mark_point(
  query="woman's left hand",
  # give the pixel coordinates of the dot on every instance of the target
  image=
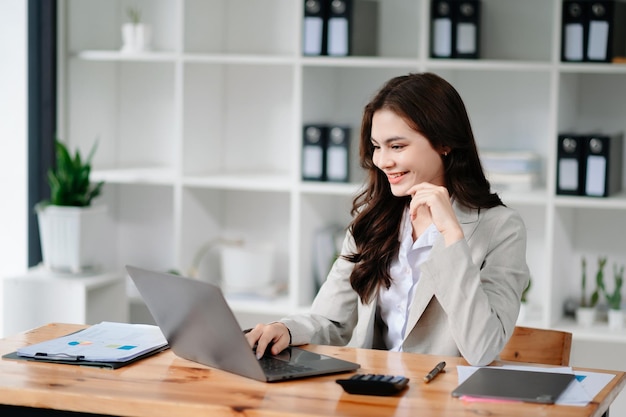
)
(434, 201)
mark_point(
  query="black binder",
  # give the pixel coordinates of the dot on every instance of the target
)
(574, 30)
(455, 29)
(570, 167)
(338, 154)
(467, 29)
(314, 139)
(441, 27)
(352, 27)
(606, 30)
(315, 27)
(603, 165)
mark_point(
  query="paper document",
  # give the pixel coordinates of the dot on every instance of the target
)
(104, 342)
(579, 393)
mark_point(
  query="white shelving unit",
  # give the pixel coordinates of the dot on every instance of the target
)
(200, 138)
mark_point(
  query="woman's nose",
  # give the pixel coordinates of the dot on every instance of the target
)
(382, 159)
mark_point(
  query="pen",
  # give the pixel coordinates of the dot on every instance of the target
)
(436, 370)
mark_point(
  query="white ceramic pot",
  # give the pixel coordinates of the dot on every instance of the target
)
(71, 237)
(616, 319)
(136, 37)
(247, 268)
(585, 316)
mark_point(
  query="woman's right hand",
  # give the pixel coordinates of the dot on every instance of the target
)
(274, 335)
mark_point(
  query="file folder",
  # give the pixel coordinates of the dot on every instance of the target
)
(314, 152)
(314, 27)
(570, 168)
(574, 30)
(603, 159)
(467, 29)
(352, 27)
(606, 31)
(441, 29)
(338, 154)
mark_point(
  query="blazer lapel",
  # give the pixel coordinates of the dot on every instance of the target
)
(424, 292)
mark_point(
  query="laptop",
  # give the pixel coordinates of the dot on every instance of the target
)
(516, 385)
(199, 326)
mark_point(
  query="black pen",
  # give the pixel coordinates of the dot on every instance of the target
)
(436, 370)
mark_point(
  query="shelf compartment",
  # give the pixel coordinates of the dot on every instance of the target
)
(140, 226)
(210, 217)
(97, 25)
(265, 27)
(238, 119)
(317, 212)
(128, 108)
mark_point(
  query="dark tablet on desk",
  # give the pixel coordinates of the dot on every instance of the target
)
(515, 385)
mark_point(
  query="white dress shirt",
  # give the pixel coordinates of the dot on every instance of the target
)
(394, 302)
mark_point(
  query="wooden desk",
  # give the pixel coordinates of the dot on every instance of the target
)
(165, 385)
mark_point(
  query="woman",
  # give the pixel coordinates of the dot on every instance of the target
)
(433, 262)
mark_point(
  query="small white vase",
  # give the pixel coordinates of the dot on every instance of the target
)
(586, 316)
(136, 37)
(616, 319)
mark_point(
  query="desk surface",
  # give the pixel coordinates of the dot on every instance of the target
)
(166, 385)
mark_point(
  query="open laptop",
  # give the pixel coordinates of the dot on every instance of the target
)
(200, 326)
(516, 385)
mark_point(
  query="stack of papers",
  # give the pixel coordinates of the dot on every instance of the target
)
(104, 342)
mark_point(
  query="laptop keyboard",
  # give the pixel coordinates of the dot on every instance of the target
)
(273, 366)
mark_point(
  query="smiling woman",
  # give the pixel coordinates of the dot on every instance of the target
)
(433, 262)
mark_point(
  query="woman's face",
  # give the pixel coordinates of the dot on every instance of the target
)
(404, 155)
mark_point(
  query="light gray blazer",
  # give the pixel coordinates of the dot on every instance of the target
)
(466, 301)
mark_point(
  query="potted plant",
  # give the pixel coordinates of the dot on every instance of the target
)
(69, 225)
(586, 311)
(614, 299)
(135, 35)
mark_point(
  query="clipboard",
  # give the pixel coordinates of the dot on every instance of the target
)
(105, 345)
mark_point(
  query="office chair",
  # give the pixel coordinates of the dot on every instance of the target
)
(542, 346)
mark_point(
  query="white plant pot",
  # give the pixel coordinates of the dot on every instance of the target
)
(136, 37)
(616, 319)
(585, 316)
(71, 237)
(247, 268)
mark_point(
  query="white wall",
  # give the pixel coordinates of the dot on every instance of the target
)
(13, 140)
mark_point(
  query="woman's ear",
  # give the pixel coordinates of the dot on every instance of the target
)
(445, 150)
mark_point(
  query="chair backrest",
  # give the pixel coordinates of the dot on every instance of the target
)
(551, 347)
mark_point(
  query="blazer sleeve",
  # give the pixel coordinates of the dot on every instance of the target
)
(478, 282)
(333, 314)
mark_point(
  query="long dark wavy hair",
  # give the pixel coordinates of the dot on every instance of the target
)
(432, 107)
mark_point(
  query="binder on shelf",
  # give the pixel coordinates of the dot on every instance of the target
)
(467, 29)
(606, 31)
(603, 160)
(574, 29)
(338, 154)
(441, 29)
(455, 29)
(352, 27)
(570, 167)
(314, 27)
(314, 152)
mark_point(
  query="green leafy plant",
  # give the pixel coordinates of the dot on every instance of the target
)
(614, 299)
(525, 292)
(69, 180)
(595, 295)
(134, 15)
